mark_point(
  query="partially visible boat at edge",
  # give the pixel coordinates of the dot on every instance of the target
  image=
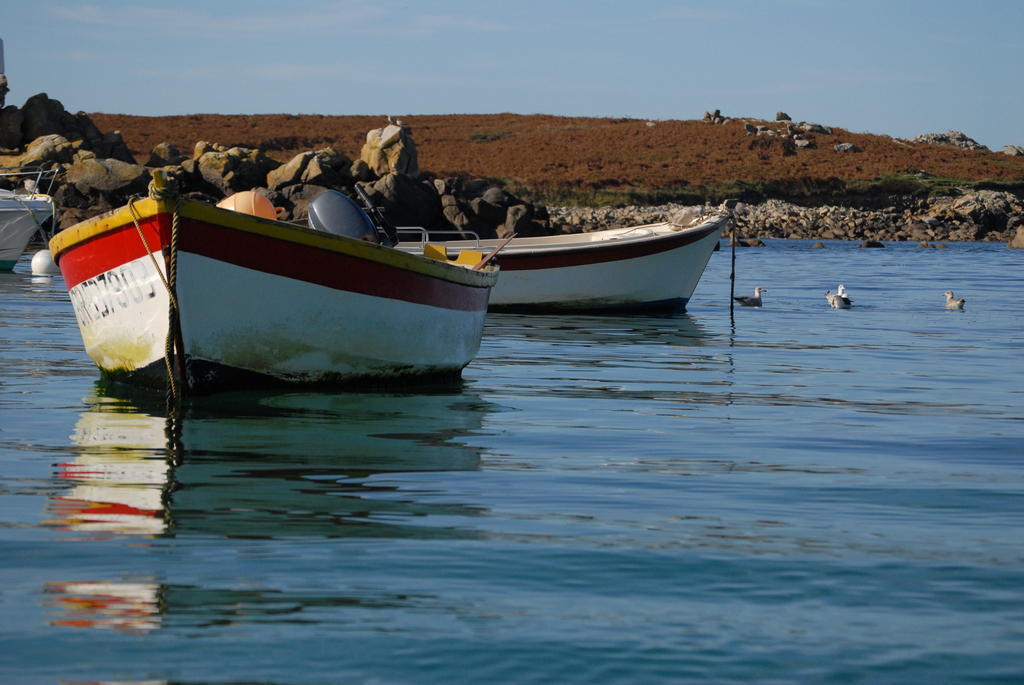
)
(260, 301)
(23, 210)
(651, 267)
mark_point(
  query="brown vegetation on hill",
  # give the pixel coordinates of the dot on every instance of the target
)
(543, 151)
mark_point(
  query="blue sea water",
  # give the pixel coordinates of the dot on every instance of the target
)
(783, 494)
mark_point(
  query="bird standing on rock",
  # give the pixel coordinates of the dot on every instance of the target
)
(752, 300)
(953, 302)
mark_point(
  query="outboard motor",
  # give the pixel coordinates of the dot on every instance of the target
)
(336, 213)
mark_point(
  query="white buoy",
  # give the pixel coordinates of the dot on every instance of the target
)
(43, 264)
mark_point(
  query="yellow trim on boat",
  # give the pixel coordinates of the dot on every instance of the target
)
(200, 211)
(90, 228)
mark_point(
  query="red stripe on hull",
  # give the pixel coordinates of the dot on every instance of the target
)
(599, 253)
(269, 255)
(108, 251)
(326, 268)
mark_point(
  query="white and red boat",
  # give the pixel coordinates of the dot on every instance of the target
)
(261, 301)
(651, 267)
(23, 211)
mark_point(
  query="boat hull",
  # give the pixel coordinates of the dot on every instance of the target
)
(20, 219)
(262, 302)
(655, 267)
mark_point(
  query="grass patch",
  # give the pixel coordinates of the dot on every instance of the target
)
(490, 136)
(905, 184)
(576, 196)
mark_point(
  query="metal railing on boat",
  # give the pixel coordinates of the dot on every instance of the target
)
(32, 177)
(426, 236)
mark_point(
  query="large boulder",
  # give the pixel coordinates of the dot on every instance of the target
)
(1017, 242)
(988, 210)
(112, 146)
(390, 150)
(289, 173)
(328, 167)
(521, 220)
(44, 151)
(360, 171)
(231, 170)
(44, 115)
(295, 200)
(952, 138)
(91, 186)
(488, 210)
(164, 154)
(810, 127)
(91, 175)
(11, 120)
(453, 215)
(486, 216)
(325, 168)
(406, 201)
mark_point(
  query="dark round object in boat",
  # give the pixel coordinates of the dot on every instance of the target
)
(337, 213)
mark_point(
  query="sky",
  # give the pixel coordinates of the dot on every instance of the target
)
(892, 67)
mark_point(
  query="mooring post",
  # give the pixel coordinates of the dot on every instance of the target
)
(731, 205)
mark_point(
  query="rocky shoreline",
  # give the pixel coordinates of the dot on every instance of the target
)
(100, 173)
(985, 215)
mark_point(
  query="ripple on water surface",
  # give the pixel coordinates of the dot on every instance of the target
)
(774, 494)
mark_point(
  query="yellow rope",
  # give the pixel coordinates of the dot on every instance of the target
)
(149, 250)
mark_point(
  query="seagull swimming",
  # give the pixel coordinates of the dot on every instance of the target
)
(953, 302)
(752, 300)
(838, 299)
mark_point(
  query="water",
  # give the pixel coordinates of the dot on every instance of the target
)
(793, 494)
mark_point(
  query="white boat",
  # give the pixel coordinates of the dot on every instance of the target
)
(650, 267)
(23, 211)
(260, 301)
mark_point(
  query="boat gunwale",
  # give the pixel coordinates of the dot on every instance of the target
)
(572, 244)
(121, 218)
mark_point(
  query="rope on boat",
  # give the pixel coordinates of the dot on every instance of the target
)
(160, 190)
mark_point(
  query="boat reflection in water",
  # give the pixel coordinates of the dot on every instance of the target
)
(127, 607)
(250, 465)
(582, 330)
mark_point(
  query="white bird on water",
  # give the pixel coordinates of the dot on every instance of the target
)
(839, 299)
(953, 302)
(835, 301)
(752, 300)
